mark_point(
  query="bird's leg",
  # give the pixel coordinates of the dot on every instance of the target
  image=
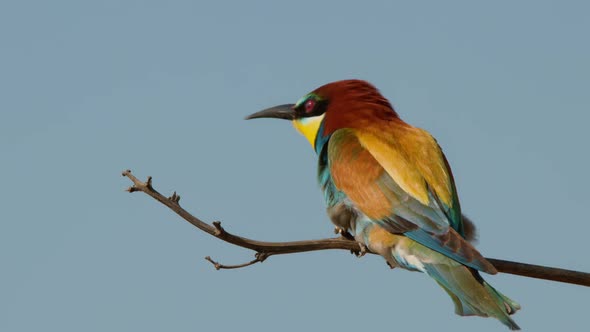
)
(344, 233)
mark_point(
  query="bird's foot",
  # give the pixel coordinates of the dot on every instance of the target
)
(347, 236)
(362, 251)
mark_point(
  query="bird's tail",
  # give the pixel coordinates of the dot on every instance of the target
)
(471, 294)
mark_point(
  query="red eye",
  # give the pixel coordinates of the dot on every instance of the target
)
(309, 105)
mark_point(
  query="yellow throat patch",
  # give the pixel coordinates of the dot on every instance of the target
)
(309, 127)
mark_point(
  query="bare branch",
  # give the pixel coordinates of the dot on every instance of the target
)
(541, 272)
(267, 249)
(260, 257)
(216, 230)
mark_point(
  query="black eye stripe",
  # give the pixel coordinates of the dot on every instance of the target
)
(312, 106)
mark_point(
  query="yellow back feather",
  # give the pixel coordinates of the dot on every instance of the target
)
(412, 157)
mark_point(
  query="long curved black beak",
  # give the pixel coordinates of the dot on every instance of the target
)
(278, 112)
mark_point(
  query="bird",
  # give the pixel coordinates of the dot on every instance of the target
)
(388, 186)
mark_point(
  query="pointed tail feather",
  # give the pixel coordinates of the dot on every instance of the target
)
(510, 305)
(471, 294)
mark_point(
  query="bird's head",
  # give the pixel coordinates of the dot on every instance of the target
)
(336, 105)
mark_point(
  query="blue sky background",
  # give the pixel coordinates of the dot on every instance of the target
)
(90, 88)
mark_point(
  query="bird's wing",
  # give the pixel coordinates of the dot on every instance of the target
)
(400, 179)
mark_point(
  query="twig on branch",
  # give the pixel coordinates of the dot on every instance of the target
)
(260, 257)
(267, 249)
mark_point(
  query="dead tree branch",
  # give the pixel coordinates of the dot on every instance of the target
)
(267, 249)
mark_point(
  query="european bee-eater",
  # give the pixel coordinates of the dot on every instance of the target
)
(389, 185)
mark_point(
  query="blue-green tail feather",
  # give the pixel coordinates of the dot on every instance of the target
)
(472, 295)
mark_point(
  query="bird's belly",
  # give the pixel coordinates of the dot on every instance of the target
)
(395, 248)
